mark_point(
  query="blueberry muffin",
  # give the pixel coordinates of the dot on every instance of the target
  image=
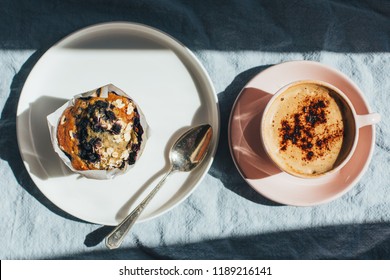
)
(101, 133)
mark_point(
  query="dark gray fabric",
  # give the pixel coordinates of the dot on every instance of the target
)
(224, 218)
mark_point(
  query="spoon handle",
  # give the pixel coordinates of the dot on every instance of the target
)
(115, 238)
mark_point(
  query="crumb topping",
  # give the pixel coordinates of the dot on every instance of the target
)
(299, 129)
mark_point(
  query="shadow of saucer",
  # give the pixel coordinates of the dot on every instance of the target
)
(223, 166)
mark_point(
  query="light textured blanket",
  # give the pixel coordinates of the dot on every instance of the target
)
(224, 218)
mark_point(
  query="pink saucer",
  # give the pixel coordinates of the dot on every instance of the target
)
(253, 163)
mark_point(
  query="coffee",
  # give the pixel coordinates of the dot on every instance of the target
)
(304, 129)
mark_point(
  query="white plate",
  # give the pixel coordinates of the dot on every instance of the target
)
(167, 81)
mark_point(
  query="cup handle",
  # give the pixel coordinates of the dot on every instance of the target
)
(369, 119)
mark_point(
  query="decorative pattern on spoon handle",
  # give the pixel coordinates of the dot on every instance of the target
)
(115, 238)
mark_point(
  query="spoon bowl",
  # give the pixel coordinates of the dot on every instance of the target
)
(186, 153)
(191, 148)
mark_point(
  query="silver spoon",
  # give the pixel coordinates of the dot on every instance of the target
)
(187, 152)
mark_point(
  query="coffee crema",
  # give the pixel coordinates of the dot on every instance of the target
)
(305, 129)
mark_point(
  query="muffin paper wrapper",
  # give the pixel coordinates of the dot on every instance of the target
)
(53, 121)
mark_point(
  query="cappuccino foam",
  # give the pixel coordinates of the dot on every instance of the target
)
(304, 129)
